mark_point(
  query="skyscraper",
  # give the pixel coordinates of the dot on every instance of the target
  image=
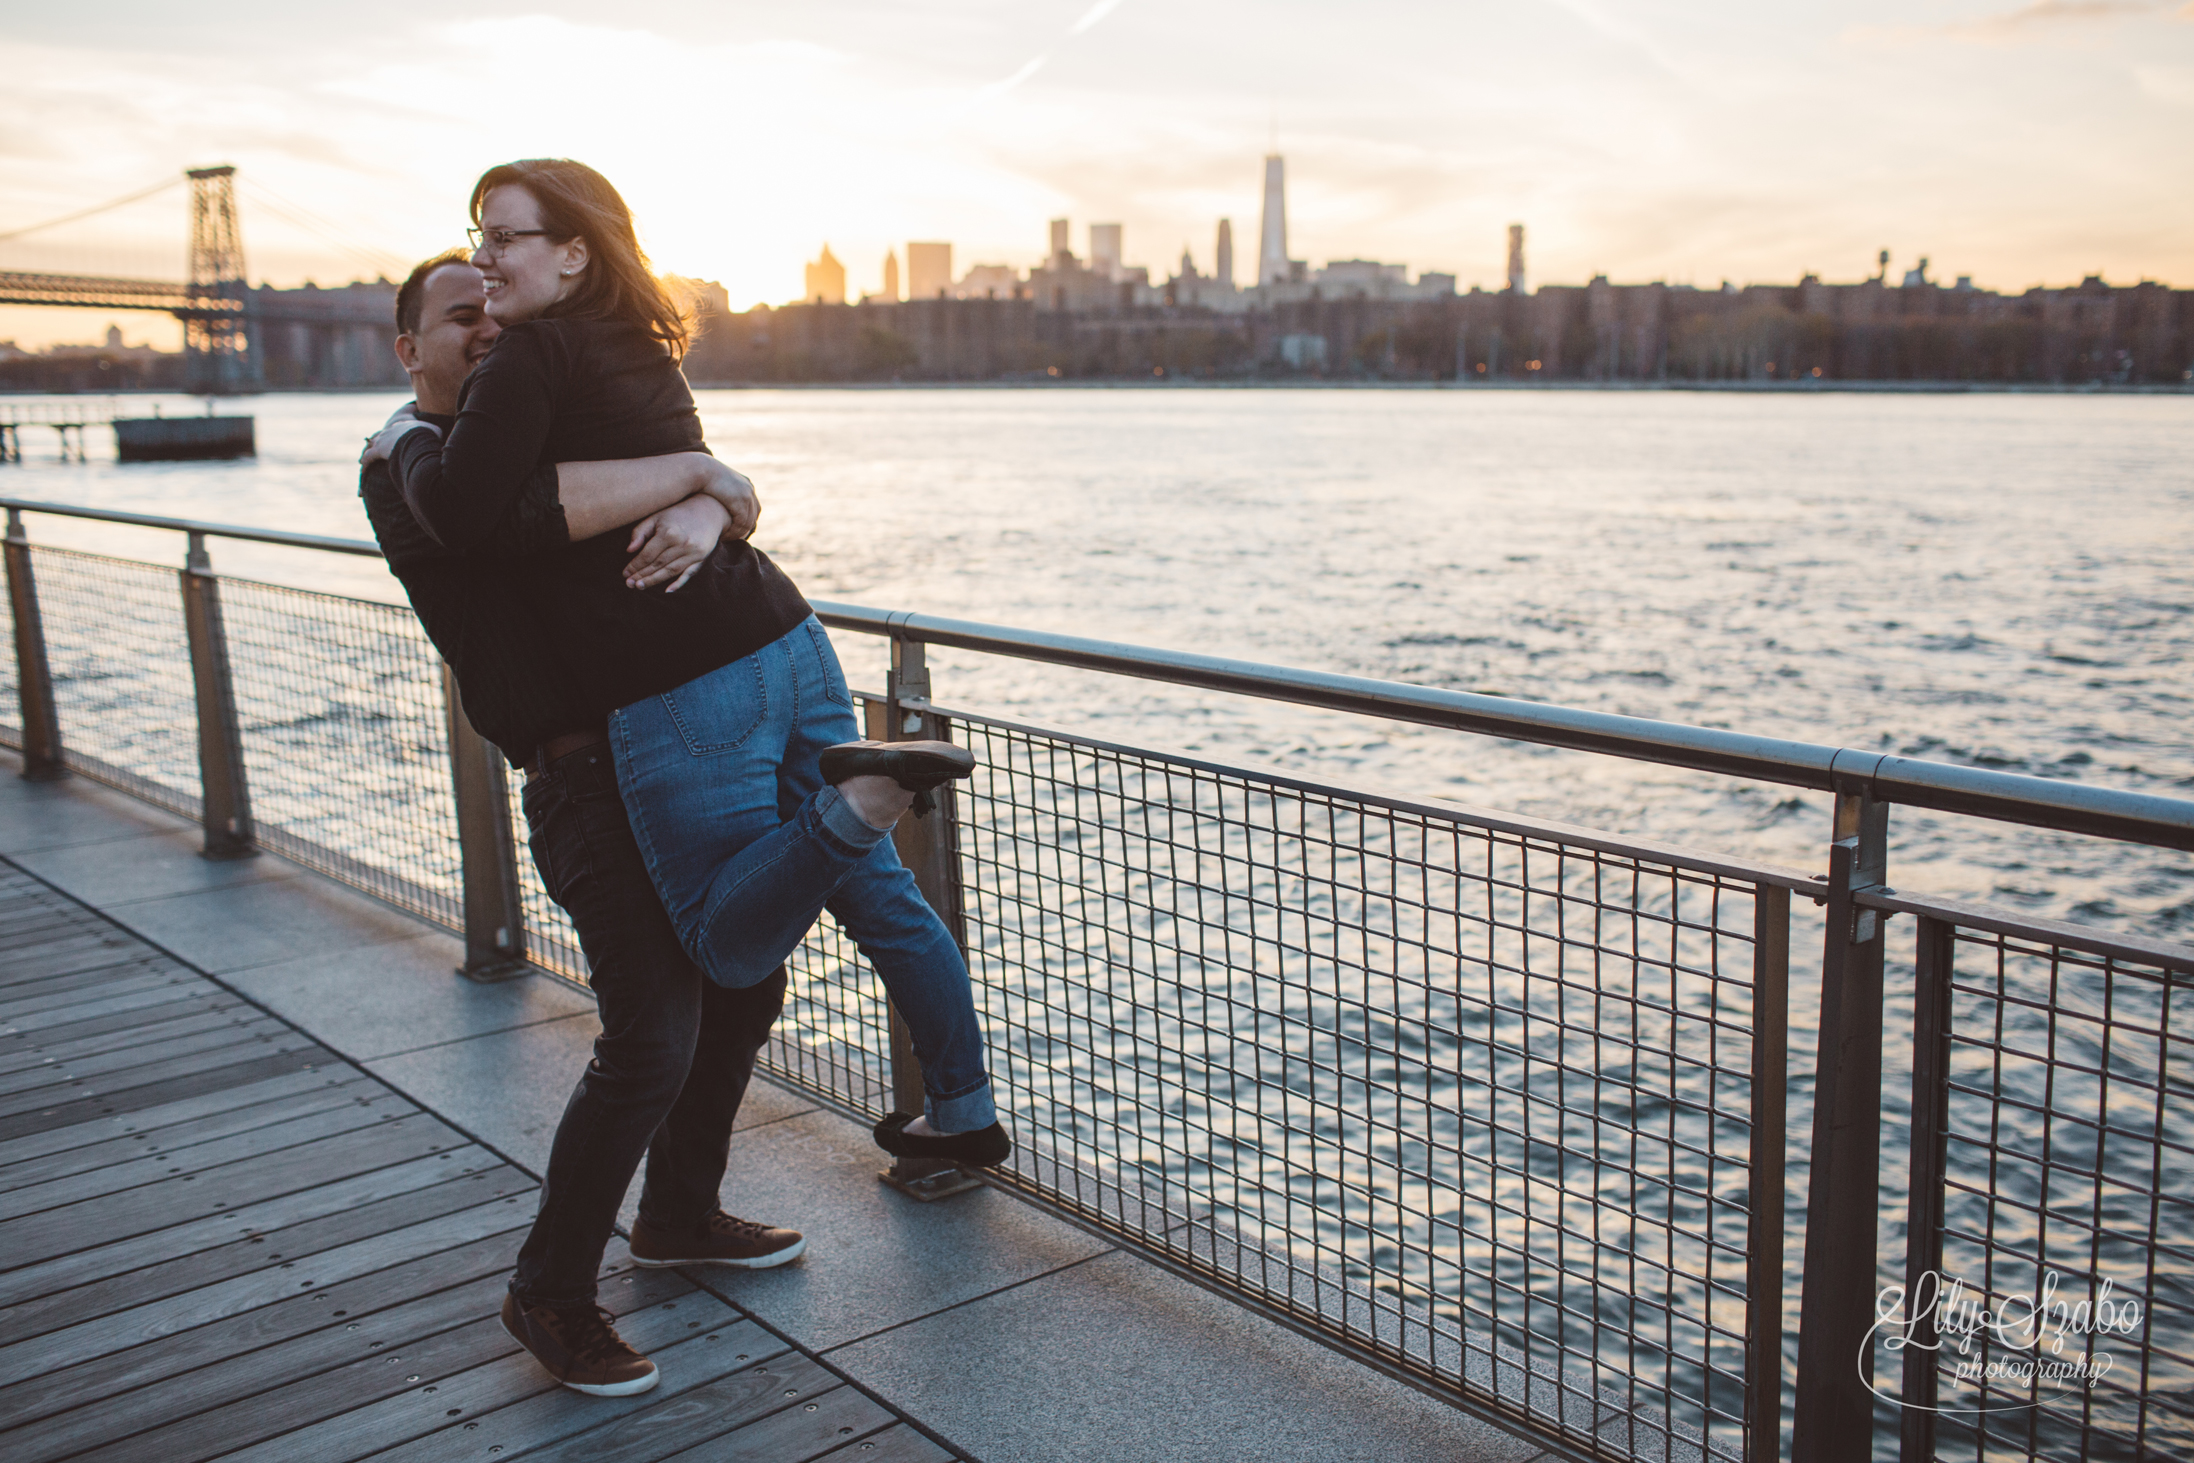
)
(1104, 249)
(891, 275)
(1059, 248)
(826, 280)
(1272, 246)
(1224, 264)
(1516, 259)
(929, 271)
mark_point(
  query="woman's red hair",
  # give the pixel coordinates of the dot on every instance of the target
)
(579, 203)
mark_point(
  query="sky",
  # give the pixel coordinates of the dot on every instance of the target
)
(2022, 142)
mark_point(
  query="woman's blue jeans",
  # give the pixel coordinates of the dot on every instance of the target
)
(747, 846)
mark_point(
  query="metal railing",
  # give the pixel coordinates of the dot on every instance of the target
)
(1493, 1104)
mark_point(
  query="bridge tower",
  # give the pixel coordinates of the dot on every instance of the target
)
(217, 341)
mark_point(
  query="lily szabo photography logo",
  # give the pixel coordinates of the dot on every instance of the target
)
(2044, 1342)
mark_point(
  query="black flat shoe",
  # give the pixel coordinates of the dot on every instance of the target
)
(916, 766)
(983, 1148)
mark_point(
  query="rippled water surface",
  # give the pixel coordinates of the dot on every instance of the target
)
(2004, 580)
(2000, 580)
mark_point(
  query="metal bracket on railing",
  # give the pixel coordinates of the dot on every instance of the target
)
(909, 681)
(1834, 1420)
(495, 928)
(927, 847)
(226, 795)
(33, 678)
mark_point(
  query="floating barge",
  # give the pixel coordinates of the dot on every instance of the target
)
(178, 439)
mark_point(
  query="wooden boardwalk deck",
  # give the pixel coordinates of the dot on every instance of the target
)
(221, 1240)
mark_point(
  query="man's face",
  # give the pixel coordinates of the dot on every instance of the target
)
(454, 333)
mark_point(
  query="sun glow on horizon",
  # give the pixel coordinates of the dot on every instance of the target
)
(1689, 145)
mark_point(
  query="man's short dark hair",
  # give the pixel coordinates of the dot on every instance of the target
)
(410, 298)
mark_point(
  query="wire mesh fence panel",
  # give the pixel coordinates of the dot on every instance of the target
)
(834, 1038)
(346, 741)
(551, 942)
(120, 662)
(2066, 1144)
(1477, 1101)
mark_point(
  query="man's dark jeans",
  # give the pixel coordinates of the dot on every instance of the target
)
(674, 1056)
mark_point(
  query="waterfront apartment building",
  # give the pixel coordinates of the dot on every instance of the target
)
(826, 280)
(929, 271)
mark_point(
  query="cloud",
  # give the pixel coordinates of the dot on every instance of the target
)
(2039, 15)
(2173, 85)
(1094, 14)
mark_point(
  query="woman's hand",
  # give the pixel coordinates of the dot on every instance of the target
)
(732, 488)
(382, 444)
(672, 544)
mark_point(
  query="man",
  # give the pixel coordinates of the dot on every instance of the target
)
(676, 1050)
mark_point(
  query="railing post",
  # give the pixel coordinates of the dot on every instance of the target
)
(1764, 1248)
(1834, 1422)
(33, 678)
(226, 795)
(929, 849)
(495, 915)
(1924, 1208)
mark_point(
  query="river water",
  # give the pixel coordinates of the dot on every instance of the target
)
(1997, 580)
(2001, 580)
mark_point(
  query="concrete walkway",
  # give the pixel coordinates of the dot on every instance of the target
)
(1008, 1333)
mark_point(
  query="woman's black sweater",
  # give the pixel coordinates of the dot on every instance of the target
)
(554, 391)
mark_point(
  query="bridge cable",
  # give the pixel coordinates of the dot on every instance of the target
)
(70, 218)
(379, 260)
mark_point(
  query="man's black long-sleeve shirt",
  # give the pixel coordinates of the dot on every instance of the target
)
(517, 689)
(562, 390)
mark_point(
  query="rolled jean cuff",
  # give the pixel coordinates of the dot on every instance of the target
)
(852, 832)
(962, 1114)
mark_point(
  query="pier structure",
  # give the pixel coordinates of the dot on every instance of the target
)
(1350, 1125)
(67, 419)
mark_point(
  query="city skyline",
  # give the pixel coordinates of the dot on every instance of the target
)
(2020, 143)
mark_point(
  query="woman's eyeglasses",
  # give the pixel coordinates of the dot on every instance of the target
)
(495, 241)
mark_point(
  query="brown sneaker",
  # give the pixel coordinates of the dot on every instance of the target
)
(580, 1347)
(721, 1239)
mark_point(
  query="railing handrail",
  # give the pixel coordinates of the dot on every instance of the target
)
(2008, 797)
(363, 548)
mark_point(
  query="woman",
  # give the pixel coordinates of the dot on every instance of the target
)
(754, 802)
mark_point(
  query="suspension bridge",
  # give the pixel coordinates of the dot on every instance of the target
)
(235, 338)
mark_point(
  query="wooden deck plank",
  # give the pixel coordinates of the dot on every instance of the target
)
(113, 1033)
(27, 1004)
(808, 1428)
(76, 951)
(194, 1236)
(92, 1153)
(174, 1089)
(292, 1322)
(44, 1311)
(248, 1292)
(82, 1226)
(73, 998)
(411, 1346)
(198, 1158)
(466, 1395)
(738, 1372)
(895, 1444)
(113, 1065)
(143, 1049)
(218, 1239)
(111, 1084)
(204, 1105)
